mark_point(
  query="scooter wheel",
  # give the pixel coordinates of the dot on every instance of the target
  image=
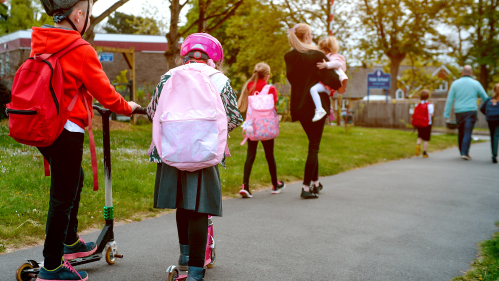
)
(213, 259)
(110, 258)
(172, 275)
(23, 276)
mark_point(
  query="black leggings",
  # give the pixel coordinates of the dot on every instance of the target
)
(192, 228)
(268, 147)
(314, 132)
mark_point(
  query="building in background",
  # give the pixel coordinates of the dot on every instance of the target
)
(149, 49)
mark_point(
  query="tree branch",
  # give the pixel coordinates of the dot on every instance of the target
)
(231, 13)
(107, 12)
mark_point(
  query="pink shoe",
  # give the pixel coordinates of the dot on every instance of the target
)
(245, 192)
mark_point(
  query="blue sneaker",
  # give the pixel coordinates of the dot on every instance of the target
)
(79, 249)
(65, 272)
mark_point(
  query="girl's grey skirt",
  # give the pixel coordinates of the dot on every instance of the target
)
(199, 191)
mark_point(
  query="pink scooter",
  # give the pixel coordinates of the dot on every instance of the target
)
(210, 256)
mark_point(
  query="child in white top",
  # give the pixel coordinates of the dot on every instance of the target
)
(424, 133)
(329, 46)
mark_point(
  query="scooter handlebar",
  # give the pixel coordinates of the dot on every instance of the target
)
(102, 111)
(140, 110)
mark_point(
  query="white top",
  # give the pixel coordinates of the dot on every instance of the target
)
(431, 109)
(72, 127)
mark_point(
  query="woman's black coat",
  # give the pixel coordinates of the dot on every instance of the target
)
(302, 73)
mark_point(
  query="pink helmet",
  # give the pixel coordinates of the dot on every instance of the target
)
(203, 42)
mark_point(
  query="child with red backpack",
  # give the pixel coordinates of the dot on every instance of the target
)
(50, 108)
(193, 108)
(422, 119)
(257, 84)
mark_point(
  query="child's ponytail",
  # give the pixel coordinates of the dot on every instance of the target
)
(261, 70)
(496, 92)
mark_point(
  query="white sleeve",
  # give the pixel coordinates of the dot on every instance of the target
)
(431, 108)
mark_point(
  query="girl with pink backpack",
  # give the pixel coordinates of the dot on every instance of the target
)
(262, 126)
(193, 108)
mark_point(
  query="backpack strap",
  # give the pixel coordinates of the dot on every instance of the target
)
(93, 155)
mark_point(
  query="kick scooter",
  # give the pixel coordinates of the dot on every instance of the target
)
(210, 256)
(106, 246)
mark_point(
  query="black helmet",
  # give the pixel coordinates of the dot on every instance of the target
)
(56, 8)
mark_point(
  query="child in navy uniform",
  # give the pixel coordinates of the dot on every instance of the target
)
(491, 110)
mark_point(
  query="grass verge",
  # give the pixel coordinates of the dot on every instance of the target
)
(486, 267)
(24, 191)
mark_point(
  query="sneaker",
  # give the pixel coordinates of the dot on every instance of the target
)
(79, 249)
(280, 186)
(425, 155)
(309, 194)
(494, 160)
(245, 192)
(318, 188)
(466, 157)
(64, 272)
(319, 113)
(418, 149)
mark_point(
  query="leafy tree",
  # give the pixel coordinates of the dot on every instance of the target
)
(316, 13)
(22, 15)
(119, 22)
(474, 38)
(90, 34)
(210, 18)
(396, 28)
(484, 40)
(251, 37)
(173, 36)
(129, 24)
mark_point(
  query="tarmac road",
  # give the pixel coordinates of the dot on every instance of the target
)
(413, 219)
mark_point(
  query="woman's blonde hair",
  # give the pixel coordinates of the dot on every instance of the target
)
(261, 70)
(496, 92)
(296, 38)
(329, 45)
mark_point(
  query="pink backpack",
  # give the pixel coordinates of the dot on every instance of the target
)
(190, 124)
(262, 122)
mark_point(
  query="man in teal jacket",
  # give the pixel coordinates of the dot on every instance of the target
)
(464, 93)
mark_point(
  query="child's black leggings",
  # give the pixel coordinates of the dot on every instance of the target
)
(268, 147)
(192, 230)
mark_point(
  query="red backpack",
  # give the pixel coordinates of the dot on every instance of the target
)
(421, 117)
(37, 114)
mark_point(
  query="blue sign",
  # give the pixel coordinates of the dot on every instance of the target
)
(379, 80)
(109, 57)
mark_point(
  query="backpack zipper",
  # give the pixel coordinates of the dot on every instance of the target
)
(21, 112)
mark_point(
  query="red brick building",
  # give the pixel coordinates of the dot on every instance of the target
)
(149, 49)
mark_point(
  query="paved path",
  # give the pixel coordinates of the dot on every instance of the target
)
(413, 219)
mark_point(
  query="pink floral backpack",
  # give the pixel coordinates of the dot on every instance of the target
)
(190, 124)
(262, 122)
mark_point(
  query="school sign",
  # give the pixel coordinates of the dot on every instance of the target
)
(378, 80)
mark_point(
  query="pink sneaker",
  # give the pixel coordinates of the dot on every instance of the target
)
(245, 192)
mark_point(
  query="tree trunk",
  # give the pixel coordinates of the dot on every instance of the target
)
(173, 35)
(394, 71)
(203, 7)
(484, 76)
(90, 34)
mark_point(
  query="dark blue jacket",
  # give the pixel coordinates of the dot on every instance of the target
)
(490, 110)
